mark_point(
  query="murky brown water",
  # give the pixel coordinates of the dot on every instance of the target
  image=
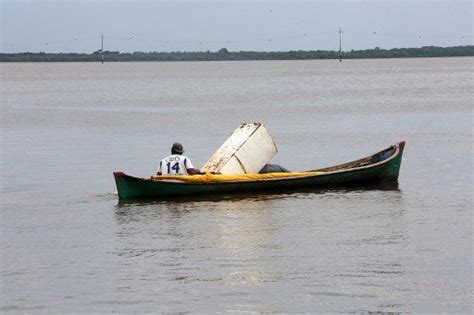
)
(67, 246)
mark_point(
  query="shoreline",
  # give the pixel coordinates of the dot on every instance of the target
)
(225, 55)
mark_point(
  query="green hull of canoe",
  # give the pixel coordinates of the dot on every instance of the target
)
(380, 167)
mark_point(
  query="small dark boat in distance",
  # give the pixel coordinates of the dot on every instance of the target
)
(383, 166)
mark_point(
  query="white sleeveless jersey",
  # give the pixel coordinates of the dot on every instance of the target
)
(175, 165)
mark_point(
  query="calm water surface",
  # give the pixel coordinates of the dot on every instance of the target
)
(68, 246)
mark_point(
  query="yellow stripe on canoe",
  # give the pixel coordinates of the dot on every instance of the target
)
(218, 178)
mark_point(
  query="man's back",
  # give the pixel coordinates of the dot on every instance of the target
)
(175, 164)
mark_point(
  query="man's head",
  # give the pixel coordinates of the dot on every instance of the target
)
(177, 148)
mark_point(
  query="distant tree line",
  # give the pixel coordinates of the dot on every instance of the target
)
(224, 54)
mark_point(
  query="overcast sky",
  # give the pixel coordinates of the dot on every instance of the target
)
(194, 25)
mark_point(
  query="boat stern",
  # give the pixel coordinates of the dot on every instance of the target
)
(127, 186)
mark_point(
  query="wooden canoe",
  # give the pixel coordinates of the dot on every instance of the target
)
(383, 166)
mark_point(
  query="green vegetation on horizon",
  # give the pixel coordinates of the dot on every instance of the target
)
(224, 54)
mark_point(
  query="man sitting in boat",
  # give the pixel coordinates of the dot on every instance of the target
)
(176, 163)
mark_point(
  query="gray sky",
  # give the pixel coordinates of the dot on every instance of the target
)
(193, 25)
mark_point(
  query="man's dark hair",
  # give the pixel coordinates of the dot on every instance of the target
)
(177, 148)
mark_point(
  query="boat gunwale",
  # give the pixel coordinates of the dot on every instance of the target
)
(395, 146)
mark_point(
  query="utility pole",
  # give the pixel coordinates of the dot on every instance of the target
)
(340, 45)
(102, 48)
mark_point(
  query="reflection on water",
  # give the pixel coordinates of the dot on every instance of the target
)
(247, 242)
(231, 235)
